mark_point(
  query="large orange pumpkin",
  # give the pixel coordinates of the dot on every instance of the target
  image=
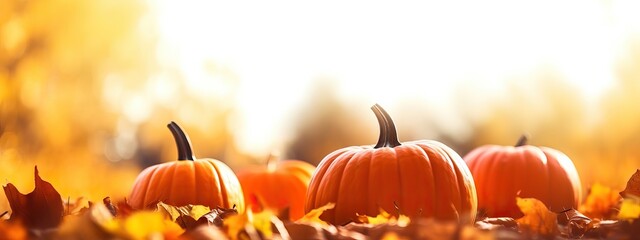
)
(279, 185)
(207, 182)
(504, 172)
(419, 179)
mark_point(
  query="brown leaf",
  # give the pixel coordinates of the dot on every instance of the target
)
(204, 232)
(123, 209)
(217, 215)
(577, 223)
(41, 208)
(633, 186)
(109, 205)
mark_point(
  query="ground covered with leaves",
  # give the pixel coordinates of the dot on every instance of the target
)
(43, 214)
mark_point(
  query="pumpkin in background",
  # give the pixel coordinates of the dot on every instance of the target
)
(207, 182)
(422, 178)
(278, 185)
(504, 172)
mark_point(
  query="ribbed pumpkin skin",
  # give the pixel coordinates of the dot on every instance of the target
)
(544, 173)
(424, 178)
(207, 182)
(285, 185)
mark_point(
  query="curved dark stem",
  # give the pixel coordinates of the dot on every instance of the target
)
(388, 134)
(182, 141)
(522, 141)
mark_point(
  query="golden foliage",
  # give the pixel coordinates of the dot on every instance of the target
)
(313, 216)
(537, 217)
(600, 202)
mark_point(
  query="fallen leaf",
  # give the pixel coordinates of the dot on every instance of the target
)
(252, 224)
(87, 225)
(385, 217)
(601, 202)
(537, 217)
(217, 215)
(629, 209)
(109, 205)
(633, 186)
(76, 207)
(185, 216)
(313, 216)
(123, 209)
(577, 223)
(41, 208)
(143, 225)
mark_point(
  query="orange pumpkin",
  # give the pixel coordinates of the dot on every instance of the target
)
(207, 182)
(279, 185)
(504, 172)
(422, 178)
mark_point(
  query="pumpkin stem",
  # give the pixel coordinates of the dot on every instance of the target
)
(522, 141)
(388, 134)
(182, 141)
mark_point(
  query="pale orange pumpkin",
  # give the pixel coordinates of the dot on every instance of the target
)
(504, 172)
(207, 182)
(278, 186)
(422, 178)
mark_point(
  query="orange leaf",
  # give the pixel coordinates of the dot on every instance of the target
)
(537, 217)
(41, 208)
(601, 202)
(385, 217)
(633, 186)
(313, 216)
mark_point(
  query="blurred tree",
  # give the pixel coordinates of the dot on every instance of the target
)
(326, 124)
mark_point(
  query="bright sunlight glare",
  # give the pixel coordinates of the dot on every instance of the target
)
(386, 52)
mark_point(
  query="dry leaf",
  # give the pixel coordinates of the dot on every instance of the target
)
(107, 203)
(41, 208)
(629, 209)
(385, 217)
(601, 202)
(86, 225)
(633, 186)
(143, 225)
(252, 224)
(537, 217)
(577, 223)
(185, 216)
(313, 216)
(216, 216)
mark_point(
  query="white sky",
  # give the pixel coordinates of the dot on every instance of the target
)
(277, 49)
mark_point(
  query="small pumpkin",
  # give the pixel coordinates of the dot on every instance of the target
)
(422, 178)
(503, 173)
(206, 181)
(279, 185)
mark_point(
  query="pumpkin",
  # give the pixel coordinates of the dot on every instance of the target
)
(207, 182)
(503, 173)
(422, 178)
(278, 185)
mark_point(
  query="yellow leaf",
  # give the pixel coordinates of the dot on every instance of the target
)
(385, 217)
(600, 202)
(629, 209)
(313, 216)
(173, 212)
(251, 223)
(537, 217)
(143, 225)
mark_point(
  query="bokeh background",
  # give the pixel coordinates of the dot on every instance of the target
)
(87, 87)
